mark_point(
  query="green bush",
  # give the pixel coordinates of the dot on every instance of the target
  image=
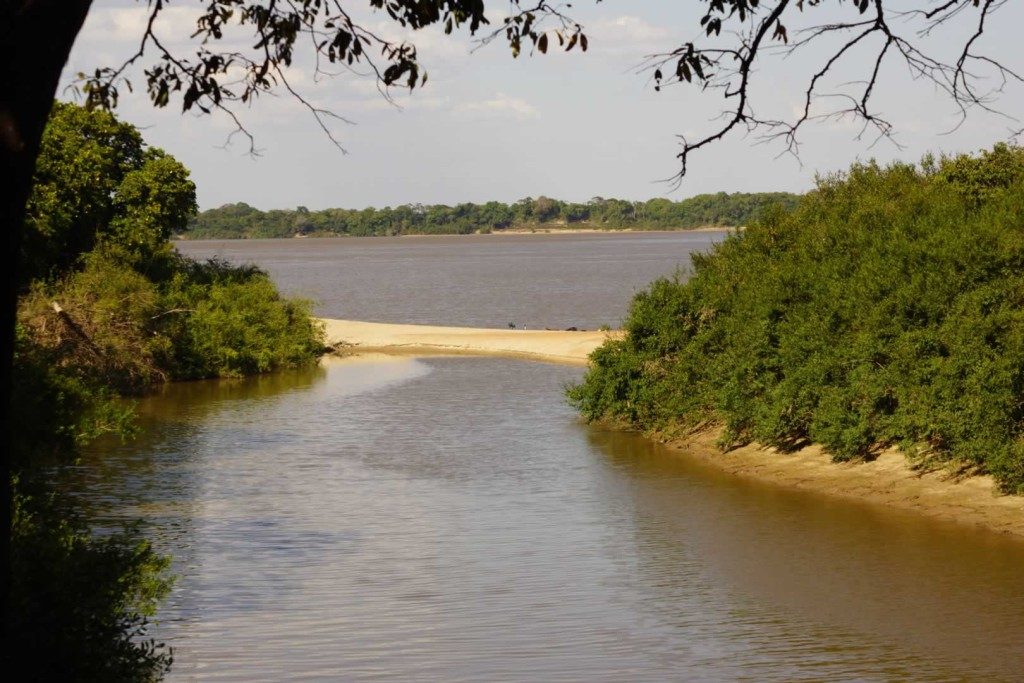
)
(886, 309)
(57, 406)
(230, 321)
(81, 603)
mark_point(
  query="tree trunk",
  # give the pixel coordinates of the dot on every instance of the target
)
(36, 37)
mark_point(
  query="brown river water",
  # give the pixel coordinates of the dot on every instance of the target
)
(449, 519)
(534, 281)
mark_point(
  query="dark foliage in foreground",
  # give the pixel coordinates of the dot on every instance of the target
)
(82, 602)
(886, 309)
(109, 310)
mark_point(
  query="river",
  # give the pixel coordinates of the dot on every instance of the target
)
(534, 281)
(450, 519)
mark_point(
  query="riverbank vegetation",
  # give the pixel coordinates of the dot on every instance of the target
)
(721, 209)
(887, 308)
(108, 309)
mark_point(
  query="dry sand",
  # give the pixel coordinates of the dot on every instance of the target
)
(888, 480)
(547, 345)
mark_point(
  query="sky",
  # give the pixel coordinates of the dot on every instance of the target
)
(566, 125)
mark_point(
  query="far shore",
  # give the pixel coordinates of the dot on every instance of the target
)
(604, 231)
(888, 480)
(185, 237)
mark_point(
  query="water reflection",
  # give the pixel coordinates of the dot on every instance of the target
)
(154, 473)
(945, 594)
(449, 519)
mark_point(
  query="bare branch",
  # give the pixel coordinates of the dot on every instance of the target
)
(728, 69)
(747, 56)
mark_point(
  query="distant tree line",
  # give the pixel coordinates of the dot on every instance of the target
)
(721, 209)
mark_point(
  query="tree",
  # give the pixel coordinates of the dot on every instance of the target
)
(545, 209)
(96, 181)
(152, 203)
(36, 37)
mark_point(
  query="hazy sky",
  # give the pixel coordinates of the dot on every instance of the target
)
(570, 126)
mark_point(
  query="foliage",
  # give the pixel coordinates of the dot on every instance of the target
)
(57, 406)
(81, 602)
(95, 181)
(245, 49)
(940, 43)
(114, 310)
(233, 322)
(122, 331)
(886, 309)
(721, 209)
(102, 333)
(132, 312)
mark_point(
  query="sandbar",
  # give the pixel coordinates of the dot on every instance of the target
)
(555, 346)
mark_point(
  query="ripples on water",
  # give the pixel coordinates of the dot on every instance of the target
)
(449, 519)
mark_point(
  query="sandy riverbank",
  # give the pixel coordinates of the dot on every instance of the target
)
(887, 480)
(547, 345)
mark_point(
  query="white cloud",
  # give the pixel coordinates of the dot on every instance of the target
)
(628, 34)
(499, 106)
(127, 24)
(431, 43)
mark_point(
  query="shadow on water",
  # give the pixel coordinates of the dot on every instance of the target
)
(940, 592)
(195, 399)
(156, 477)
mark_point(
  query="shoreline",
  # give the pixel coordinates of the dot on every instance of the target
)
(888, 480)
(349, 337)
(608, 231)
(494, 233)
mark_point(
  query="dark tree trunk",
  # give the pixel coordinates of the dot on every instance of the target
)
(35, 40)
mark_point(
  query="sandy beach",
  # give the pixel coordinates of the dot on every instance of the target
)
(557, 346)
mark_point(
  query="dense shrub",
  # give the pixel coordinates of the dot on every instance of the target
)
(57, 407)
(81, 602)
(886, 309)
(125, 332)
(229, 321)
